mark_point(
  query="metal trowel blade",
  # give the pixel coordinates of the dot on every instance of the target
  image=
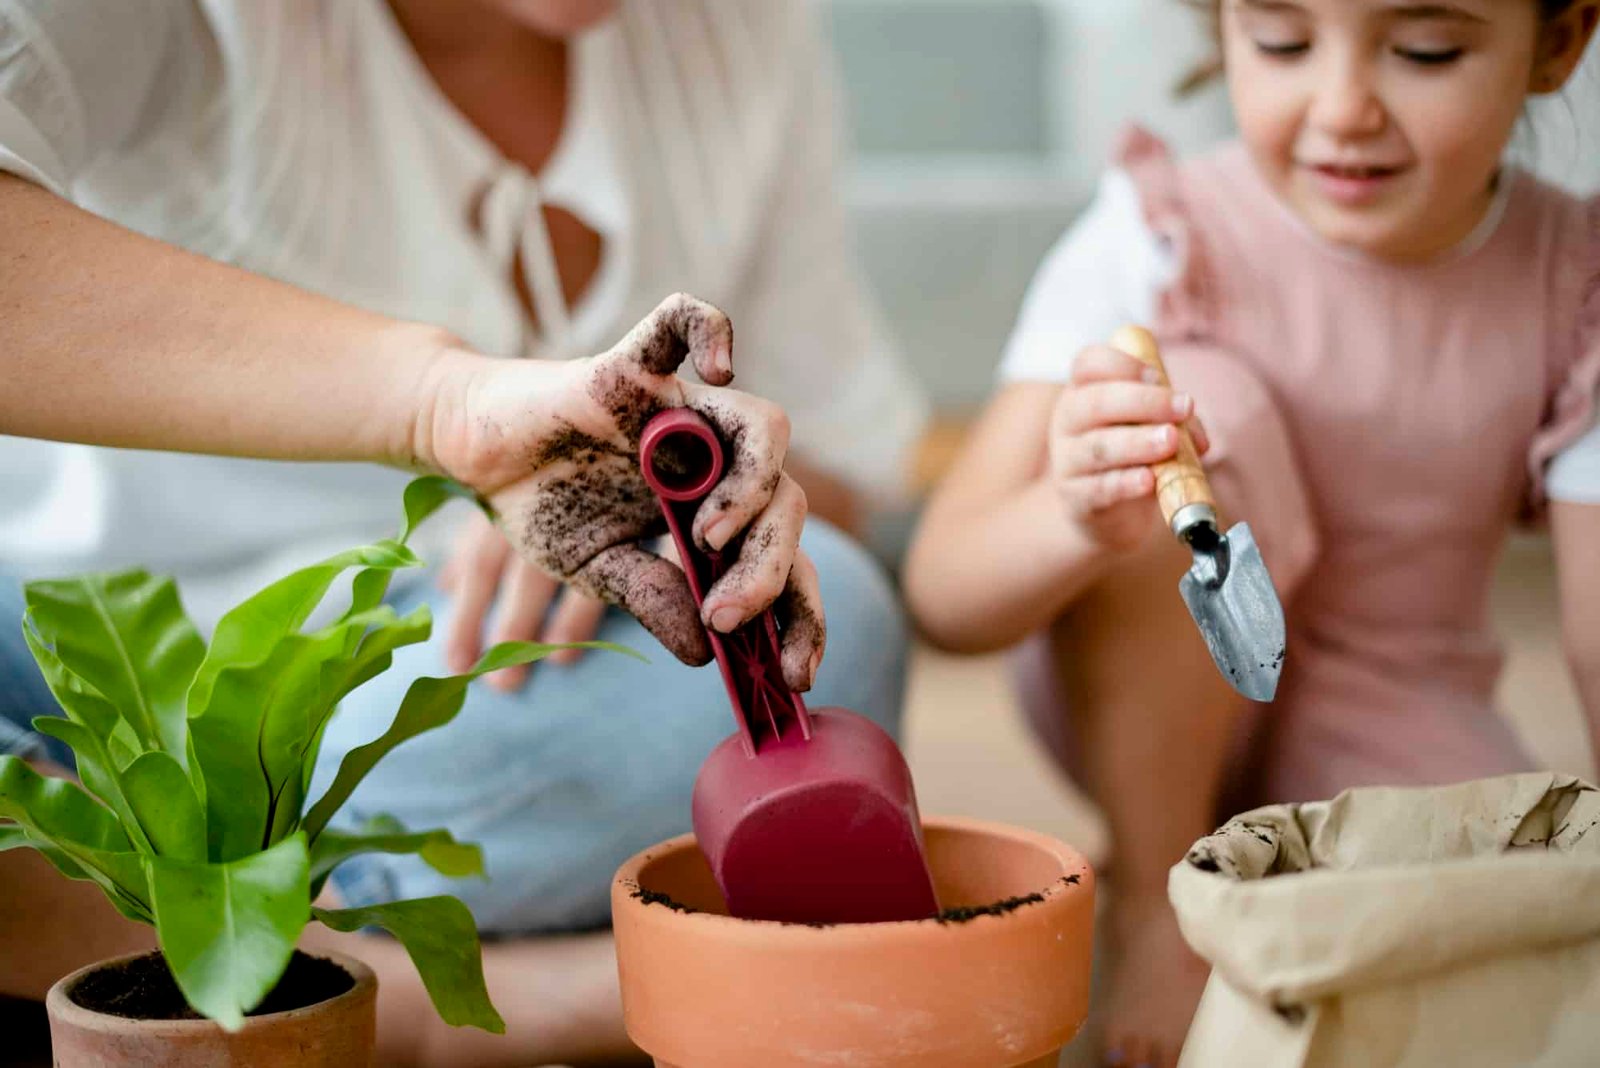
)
(1233, 601)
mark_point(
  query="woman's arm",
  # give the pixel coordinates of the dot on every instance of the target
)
(1576, 532)
(111, 338)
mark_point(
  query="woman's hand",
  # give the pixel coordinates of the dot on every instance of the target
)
(553, 447)
(1109, 425)
(484, 572)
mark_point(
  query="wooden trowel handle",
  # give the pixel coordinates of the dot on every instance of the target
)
(1180, 481)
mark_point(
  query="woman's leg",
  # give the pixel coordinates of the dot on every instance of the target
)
(23, 693)
(1145, 721)
(587, 765)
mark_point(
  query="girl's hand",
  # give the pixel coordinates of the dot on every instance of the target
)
(554, 448)
(1109, 425)
(482, 572)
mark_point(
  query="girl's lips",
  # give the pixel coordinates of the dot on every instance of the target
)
(1351, 186)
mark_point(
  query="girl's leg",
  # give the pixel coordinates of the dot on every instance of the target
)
(1137, 712)
(1154, 725)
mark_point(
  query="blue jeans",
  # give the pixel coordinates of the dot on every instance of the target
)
(562, 781)
(23, 693)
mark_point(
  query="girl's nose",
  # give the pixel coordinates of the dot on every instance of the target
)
(1345, 103)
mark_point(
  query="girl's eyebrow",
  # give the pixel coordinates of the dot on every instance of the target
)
(1410, 12)
(1435, 11)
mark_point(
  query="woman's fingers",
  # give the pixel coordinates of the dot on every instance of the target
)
(476, 568)
(805, 631)
(682, 326)
(654, 592)
(765, 559)
(525, 596)
(577, 619)
(755, 436)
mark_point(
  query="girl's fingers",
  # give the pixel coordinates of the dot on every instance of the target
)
(805, 632)
(525, 595)
(1119, 404)
(1117, 447)
(1202, 440)
(577, 619)
(766, 556)
(478, 565)
(1102, 363)
(1095, 493)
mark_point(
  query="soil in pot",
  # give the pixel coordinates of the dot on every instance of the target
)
(955, 914)
(143, 988)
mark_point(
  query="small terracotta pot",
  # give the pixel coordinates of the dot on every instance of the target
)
(703, 990)
(336, 1033)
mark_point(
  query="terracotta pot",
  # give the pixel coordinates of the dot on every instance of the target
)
(703, 990)
(336, 1033)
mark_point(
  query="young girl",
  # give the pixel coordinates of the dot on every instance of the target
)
(1394, 339)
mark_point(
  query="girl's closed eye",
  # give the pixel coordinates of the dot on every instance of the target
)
(1433, 56)
(1280, 48)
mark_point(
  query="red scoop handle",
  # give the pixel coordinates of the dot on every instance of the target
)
(682, 459)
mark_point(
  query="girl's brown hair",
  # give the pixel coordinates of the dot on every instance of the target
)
(1211, 10)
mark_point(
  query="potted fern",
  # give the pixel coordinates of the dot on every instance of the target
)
(195, 760)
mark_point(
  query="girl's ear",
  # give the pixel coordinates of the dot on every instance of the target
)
(1561, 46)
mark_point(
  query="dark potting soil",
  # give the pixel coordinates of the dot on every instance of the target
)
(650, 897)
(959, 914)
(143, 989)
(966, 913)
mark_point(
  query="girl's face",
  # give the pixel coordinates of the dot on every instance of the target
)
(1381, 123)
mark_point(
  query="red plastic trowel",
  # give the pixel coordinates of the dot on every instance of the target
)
(806, 816)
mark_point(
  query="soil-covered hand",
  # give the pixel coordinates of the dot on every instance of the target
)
(553, 446)
(1110, 424)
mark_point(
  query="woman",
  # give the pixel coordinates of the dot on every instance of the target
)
(531, 177)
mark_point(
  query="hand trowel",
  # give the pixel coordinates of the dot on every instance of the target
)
(804, 815)
(1228, 591)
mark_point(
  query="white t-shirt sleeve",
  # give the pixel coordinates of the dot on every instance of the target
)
(76, 77)
(1574, 474)
(1106, 271)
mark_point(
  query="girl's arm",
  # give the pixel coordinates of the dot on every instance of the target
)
(1054, 485)
(994, 557)
(1576, 531)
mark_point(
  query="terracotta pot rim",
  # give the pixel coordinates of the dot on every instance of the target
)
(627, 881)
(60, 1005)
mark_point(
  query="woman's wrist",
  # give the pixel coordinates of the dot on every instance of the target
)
(433, 374)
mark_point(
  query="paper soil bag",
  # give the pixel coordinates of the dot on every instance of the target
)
(1453, 926)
